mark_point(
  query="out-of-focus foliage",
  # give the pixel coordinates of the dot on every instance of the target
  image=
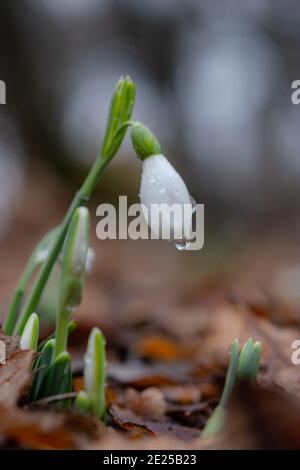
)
(214, 80)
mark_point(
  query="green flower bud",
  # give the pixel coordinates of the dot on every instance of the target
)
(30, 335)
(82, 402)
(119, 113)
(248, 365)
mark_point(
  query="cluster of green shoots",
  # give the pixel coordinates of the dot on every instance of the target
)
(243, 366)
(68, 245)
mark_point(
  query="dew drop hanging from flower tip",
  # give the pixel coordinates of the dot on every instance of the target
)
(182, 245)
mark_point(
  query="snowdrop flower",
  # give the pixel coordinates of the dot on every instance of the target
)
(166, 202)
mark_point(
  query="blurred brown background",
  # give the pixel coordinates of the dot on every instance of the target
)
(213, 82)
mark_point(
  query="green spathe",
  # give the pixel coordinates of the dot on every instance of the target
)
(119, 113)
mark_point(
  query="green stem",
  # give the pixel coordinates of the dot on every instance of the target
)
(61, 333)
(12, 312)
(231, 374)
(215, 422)
(81, 197)
(71, 327)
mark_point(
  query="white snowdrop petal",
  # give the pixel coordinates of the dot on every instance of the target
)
(29, 336)
(161, 184)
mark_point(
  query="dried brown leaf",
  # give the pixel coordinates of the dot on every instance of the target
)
(149, 404)
(130, 421)
(157, 347)
(14, 377)
(182, 394)
(48, 430)
(12, 343)
(140, 375)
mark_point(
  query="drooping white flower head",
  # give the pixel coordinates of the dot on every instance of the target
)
(166, 202)
(163, 188)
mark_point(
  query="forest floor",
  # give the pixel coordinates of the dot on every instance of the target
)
(169, 320)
